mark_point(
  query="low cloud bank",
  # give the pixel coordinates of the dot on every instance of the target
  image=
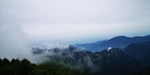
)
(14, 42)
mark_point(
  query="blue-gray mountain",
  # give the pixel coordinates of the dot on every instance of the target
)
(119, 41)
(141, 51)
(130, 60)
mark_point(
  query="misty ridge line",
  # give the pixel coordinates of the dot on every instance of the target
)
(14, 43)
(93, 62)
(63, 32)
(14, 46)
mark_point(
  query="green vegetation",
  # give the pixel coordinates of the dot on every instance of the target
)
(25, 67)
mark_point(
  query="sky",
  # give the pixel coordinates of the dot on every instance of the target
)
(73, 21)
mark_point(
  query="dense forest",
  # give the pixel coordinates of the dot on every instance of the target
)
(25, 67)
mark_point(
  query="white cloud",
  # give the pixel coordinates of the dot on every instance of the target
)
(61, 22)
(13, 42)
(72, 20)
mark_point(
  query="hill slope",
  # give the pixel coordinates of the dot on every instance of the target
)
(140, 51)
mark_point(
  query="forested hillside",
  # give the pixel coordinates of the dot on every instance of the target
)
(25, 67)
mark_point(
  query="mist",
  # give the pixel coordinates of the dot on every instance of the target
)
(77, 21)
(59, 23)
(13, 42)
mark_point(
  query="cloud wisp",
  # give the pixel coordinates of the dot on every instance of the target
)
(13, 42)
(67, 22)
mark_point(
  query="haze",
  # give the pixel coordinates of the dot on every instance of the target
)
(75, 21)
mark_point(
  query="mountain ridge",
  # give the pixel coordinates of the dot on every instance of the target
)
(106, 62)
(118, 41)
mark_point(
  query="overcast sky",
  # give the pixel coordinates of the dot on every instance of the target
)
(73, 21)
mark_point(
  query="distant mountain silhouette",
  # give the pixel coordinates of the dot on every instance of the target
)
(130, 59)
(140, 51)
(118, 41)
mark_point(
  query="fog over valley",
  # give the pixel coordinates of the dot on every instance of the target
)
(74, 37)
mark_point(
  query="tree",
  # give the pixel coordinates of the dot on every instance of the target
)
(15, 64)
(7, 70)
(6, 61)
(1, 61)
(25, 67)
(13, 61)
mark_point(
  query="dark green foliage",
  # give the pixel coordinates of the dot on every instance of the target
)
(25, 67)
(7, 70)
(15, 67)
(6, 61)
(57, 68)
(1, 61)
(13, 61)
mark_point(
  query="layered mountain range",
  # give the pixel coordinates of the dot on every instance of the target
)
(107, 62)
(132, 58)
(118, 41)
